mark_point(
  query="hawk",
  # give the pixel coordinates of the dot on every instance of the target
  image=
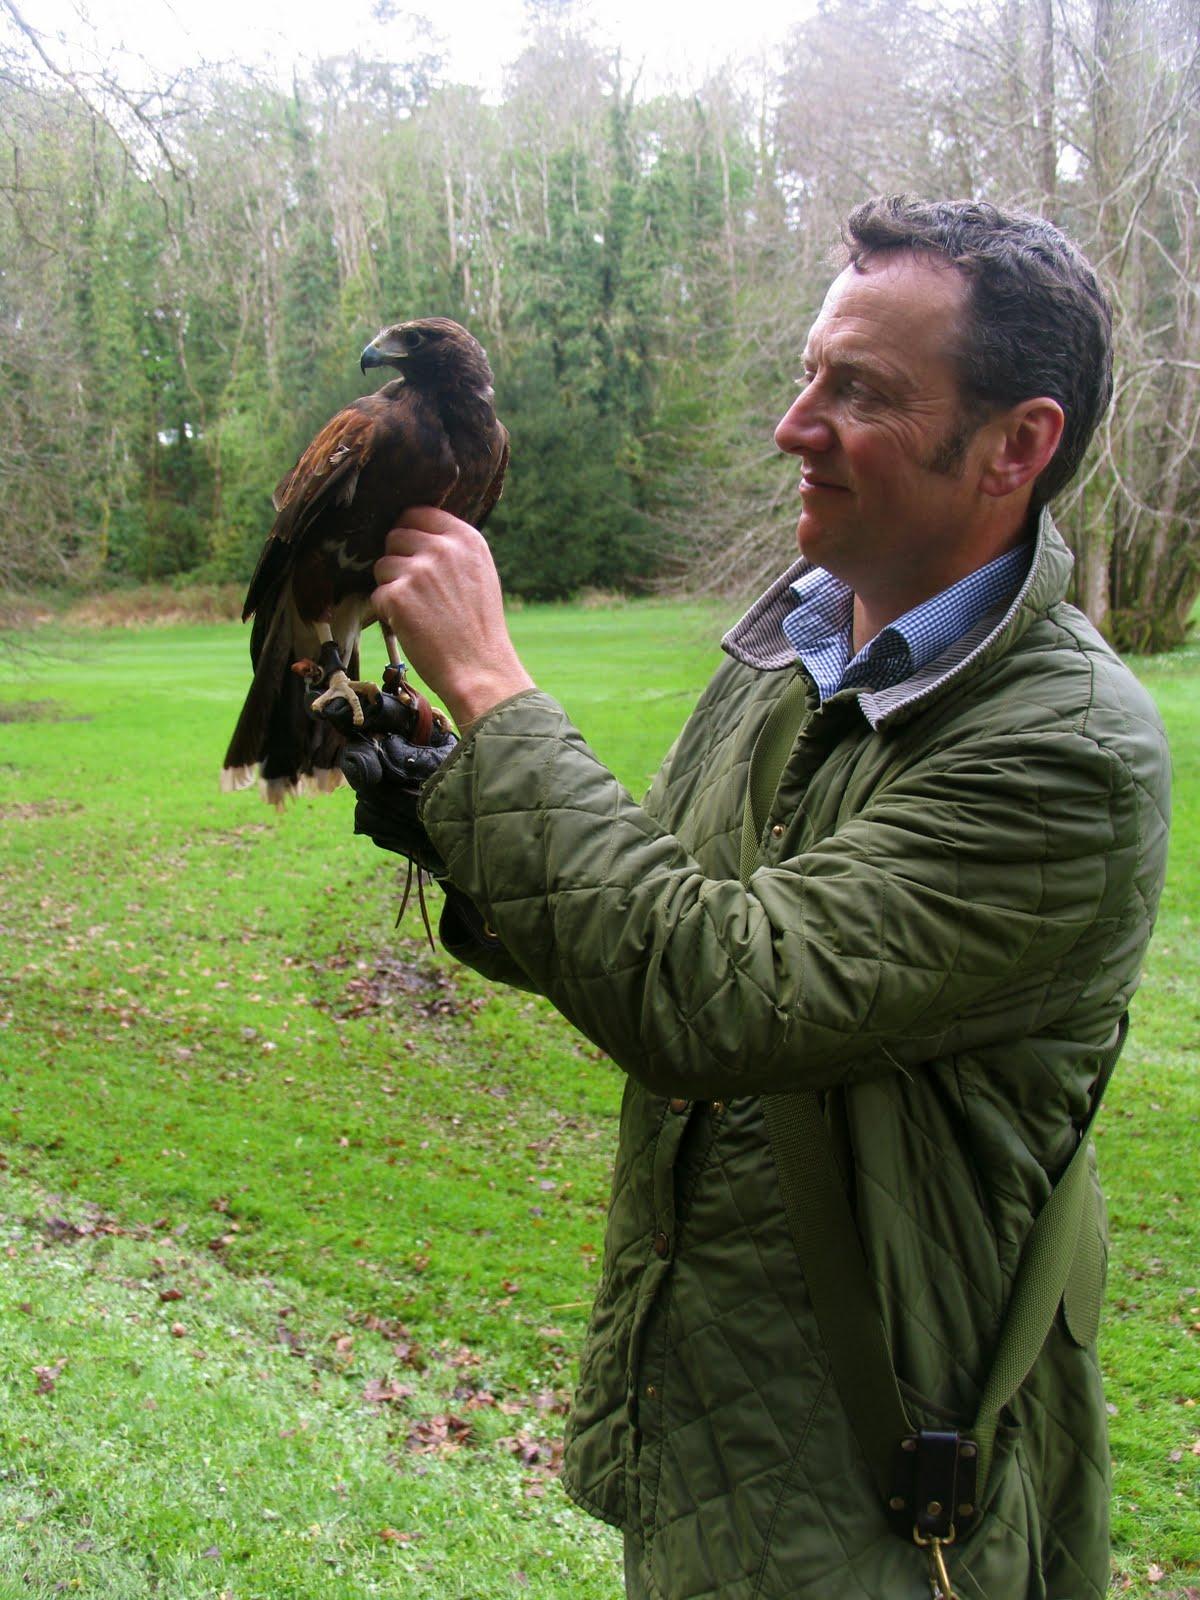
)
(430, 436)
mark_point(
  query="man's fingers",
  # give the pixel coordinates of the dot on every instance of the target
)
(424, 524)
(406, 540)
(431, 519)
(388, 568)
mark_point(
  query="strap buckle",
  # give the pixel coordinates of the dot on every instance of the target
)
(933, 1485)
(940, 1587)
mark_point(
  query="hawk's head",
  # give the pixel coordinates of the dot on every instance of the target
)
(432, 352)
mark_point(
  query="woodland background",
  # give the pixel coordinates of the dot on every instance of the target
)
(188, 270)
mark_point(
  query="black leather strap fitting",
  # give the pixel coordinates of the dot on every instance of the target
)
(331, 660)
(933, 1485)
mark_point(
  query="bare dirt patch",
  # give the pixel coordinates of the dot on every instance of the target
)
(381, 979)
(38, 711)
(31, 810)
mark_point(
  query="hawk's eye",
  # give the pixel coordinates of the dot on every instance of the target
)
(411, 339)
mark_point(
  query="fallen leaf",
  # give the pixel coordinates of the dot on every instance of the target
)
(552, 1400)
(383, 1392)
(1155, 1573)
(474, 1399)
(439, 1435)
(47, 1377)
(533, 1452)
(397, 1536)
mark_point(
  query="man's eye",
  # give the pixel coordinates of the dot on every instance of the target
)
(805, 378)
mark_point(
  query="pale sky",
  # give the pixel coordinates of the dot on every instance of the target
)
(674, 40)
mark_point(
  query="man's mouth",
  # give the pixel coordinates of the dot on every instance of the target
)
(809, 481)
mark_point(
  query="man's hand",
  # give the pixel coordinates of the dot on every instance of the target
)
(440, 593)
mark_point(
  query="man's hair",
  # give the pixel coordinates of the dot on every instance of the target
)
(1038, 322)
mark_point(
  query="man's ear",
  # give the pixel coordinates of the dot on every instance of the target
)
(1025, 438)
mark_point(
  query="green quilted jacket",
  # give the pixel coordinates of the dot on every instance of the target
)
(959, 880)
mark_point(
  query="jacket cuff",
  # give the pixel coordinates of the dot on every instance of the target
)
(467, 738)
(466, 936)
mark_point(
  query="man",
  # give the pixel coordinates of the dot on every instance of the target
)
(938, 926)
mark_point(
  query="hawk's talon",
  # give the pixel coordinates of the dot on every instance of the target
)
(339, 687)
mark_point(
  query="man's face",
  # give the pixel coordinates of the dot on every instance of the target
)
(890, 457)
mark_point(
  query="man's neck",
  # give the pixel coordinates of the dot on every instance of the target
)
(874, 610)
(872, 616)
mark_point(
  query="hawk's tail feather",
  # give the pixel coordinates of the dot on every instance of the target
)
(277, 791)
(277, 743)
(235, 778)
(321, 780)
(252, 737)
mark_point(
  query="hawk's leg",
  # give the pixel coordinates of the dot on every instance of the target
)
(429, 725)
(395, 659)
(337, 685)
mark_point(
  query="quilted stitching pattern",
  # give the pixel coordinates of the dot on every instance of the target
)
(951, 921)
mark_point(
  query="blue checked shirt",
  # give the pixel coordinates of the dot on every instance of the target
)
(819, 630)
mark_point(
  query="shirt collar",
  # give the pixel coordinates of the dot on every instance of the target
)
(819, 629)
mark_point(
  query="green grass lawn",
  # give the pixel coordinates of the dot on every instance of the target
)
(299, 1224)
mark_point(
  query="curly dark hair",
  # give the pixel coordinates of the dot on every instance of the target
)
(1038, 322)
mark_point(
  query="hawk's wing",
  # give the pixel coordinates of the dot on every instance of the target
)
(326, 475)
(496, 488)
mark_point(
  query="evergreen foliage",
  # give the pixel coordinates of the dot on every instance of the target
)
(181, 306)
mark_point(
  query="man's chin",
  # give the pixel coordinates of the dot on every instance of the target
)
(809, 537)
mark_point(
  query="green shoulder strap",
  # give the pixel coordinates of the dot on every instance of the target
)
(1062, 1258)
(827, 1241)
(1062, 1255)
(771, 750)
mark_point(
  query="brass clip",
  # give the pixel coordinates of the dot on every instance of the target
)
(939, 1578)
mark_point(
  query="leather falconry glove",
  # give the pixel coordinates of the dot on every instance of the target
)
(386, 773)
(386, 761)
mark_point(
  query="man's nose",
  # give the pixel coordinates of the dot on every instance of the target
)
(803, 428)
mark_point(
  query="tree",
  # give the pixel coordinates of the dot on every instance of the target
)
(188, 271)
(1085, 110)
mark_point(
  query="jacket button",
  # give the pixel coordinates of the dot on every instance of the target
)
(651, 1392)
(679, 1106)
(777, 831)
(662, 1245)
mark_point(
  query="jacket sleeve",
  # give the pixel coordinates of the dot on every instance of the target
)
(970, 889)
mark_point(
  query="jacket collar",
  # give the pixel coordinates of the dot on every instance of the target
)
(758, 639)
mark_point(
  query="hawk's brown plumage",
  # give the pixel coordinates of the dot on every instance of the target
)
(429, 437)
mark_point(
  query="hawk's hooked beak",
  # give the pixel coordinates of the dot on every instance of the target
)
(377, 355)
